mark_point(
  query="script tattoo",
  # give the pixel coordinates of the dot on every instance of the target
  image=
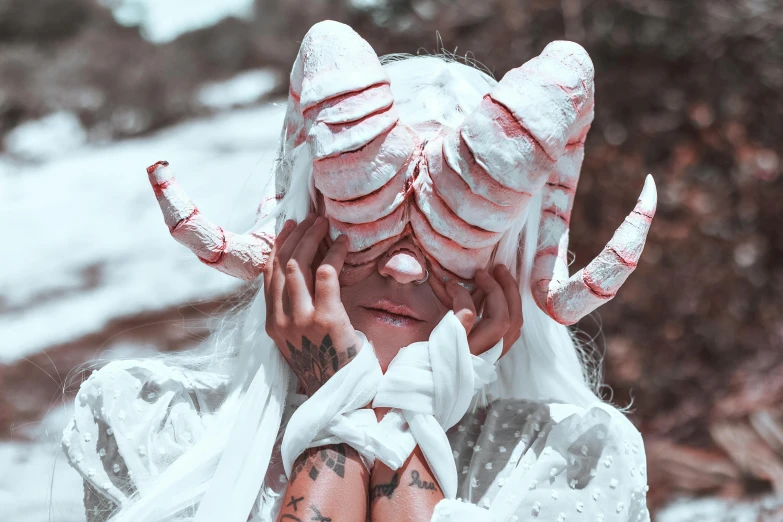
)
(314, 364)
(421, 484)
(385, 490)
(315, 460)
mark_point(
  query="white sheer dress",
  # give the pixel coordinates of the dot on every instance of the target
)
(518, 460)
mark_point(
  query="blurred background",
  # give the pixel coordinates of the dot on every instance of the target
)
(93, 91)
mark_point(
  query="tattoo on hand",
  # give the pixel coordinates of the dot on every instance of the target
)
(385, 490)
(318, 516)
(294, 502)
(315, 364)
(421, 484)
(315, 460)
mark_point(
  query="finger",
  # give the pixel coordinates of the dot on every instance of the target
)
(462, 304)
(299, 271)
(279, 295)
(327, 284)
(494, 321)
(514, 300)
(288, 226)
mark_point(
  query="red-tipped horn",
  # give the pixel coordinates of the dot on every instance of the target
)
(240, 255)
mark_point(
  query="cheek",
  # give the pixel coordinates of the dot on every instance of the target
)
(353, 275)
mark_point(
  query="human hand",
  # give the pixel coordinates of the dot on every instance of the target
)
(304, 314)
(502, 317)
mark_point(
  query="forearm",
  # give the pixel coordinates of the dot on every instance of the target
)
(407, 494)
(327, 483)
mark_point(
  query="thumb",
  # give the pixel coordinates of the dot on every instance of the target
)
(462, 304)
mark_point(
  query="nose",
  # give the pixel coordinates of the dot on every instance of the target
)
(404, 262)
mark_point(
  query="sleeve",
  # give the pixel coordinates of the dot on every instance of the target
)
(590, 465)
(131, 420)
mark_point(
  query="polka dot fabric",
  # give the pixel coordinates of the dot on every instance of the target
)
(525, 460)
(517, 460)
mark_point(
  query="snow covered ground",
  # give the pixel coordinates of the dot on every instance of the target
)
(85, 244)
(164, 20)
(37, 484)
(84, 238)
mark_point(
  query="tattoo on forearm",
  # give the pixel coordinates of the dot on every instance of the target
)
(318, 516)
(314, 364)
(421, 484)
(385, 490)
(316, 460)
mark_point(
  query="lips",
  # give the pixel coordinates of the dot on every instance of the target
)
(394, 308)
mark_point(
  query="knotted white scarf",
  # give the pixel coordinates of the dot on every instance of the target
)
(429, 386)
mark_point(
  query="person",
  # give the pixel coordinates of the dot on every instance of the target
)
(409, 356)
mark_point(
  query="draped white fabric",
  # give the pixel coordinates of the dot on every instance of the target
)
(429, 385)
(514, 460)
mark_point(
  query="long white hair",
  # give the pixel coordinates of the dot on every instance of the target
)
(546, 363)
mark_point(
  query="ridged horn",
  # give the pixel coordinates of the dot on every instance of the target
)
(243, 256)
(361, 153)
(566, 299)
(503, 153)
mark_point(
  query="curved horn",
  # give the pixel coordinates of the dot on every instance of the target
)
(503, 153)
(362, 156)
(240, 255)
(566, 299)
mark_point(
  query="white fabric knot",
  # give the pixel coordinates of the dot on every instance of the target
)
(333, 415)
(431, 385)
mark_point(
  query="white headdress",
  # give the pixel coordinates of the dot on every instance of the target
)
(456, 193)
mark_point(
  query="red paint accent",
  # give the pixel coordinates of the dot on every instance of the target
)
(593, 287)
(630, 263)
(548, 251)
(647, 217)
(154, 166)
(222, 251)
(363, 118)
(554, 213)
(157, 188)
(334, 100)
(454, 216)
(510, 125)
(451, 242)
(478, 171)
(182, 221)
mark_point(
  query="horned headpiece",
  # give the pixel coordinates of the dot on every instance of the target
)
(456, 194)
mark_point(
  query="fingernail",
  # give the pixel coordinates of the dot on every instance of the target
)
(319, 220)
